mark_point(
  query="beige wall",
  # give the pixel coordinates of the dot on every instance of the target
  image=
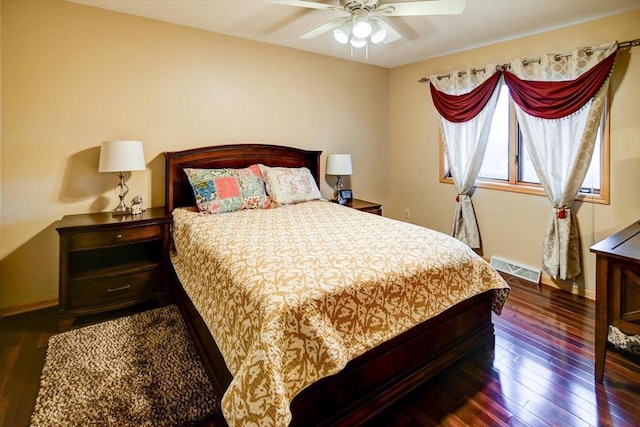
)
(73, 76)
(512, 225)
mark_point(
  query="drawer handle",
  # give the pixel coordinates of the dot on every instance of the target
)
(121, 288)
(119, 236)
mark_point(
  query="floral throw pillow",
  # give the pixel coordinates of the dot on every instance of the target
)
(228, 190)
(290, 185)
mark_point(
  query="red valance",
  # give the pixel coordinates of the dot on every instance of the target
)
(553, 100)
(462, 108)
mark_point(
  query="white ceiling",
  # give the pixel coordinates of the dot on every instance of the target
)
(482, 22)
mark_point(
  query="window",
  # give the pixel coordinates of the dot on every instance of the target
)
(507, 166)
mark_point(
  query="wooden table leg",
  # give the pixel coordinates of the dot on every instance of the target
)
(601, 353)
(602, 318)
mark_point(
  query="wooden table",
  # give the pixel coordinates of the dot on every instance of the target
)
(617, 288)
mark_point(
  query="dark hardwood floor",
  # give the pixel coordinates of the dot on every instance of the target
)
(541, 372)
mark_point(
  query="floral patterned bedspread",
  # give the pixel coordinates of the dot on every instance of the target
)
(294, 293)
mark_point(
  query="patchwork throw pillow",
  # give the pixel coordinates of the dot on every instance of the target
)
(228, 190)
(290, 185)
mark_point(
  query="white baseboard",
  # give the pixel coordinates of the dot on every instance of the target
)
(26, 307)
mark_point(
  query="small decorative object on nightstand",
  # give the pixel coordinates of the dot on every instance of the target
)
(136, 206)
(120, 157)
(109, 262)
(340, 165)
(364, 206)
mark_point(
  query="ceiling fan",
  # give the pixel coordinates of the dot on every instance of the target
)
(363, 18)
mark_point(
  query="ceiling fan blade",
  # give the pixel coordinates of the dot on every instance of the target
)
(323, 28)
(392, 34)
(425, 7)
(307, 4)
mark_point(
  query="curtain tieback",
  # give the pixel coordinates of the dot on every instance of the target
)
(562, 213)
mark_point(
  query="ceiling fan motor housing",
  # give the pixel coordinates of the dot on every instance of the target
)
(352, 6)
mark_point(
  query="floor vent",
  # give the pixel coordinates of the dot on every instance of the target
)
(522, 271)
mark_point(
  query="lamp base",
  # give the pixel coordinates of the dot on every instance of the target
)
(339, 199)
(118, 211)
(121, 190)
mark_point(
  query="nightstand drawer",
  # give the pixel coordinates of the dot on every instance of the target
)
(105, 238)
(109, 290)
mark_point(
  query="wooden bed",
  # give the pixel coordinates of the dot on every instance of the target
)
(376, 379)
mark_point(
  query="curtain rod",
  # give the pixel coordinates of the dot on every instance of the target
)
(589, 51)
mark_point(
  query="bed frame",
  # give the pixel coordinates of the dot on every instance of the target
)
(374, 380)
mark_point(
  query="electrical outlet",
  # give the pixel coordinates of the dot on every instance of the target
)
(407, 214)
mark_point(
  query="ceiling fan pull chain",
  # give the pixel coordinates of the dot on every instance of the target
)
(366, 51)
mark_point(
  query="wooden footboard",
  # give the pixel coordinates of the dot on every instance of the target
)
(376, 379)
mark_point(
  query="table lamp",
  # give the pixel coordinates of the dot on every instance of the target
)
(121, 157)
(340, 165)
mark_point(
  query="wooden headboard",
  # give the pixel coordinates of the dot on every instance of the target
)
(178, 191)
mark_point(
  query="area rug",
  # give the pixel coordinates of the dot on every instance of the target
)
(626, 344)
(140, 370)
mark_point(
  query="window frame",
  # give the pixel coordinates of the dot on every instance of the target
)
(515, 186)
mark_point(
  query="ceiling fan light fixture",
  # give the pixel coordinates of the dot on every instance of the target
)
(357, 42)
(341, 34)
(378, 33)
(361, 27)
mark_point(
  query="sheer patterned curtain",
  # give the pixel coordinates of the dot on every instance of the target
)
(466, 102)
(559, 102)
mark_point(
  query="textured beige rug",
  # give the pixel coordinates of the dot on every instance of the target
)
(140, 370)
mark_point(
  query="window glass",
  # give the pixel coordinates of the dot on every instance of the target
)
(526, 171)
(593, 180)
(496, 159)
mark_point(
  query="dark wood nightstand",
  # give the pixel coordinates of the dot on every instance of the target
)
(364, 206)
(109, 262)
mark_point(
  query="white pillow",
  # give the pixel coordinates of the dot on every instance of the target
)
(290, 185)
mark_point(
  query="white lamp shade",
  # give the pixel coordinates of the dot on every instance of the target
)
(358, 42)
(339, 164)
(121, 156)
(361, 27)
(341, 34)
(377, 33)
